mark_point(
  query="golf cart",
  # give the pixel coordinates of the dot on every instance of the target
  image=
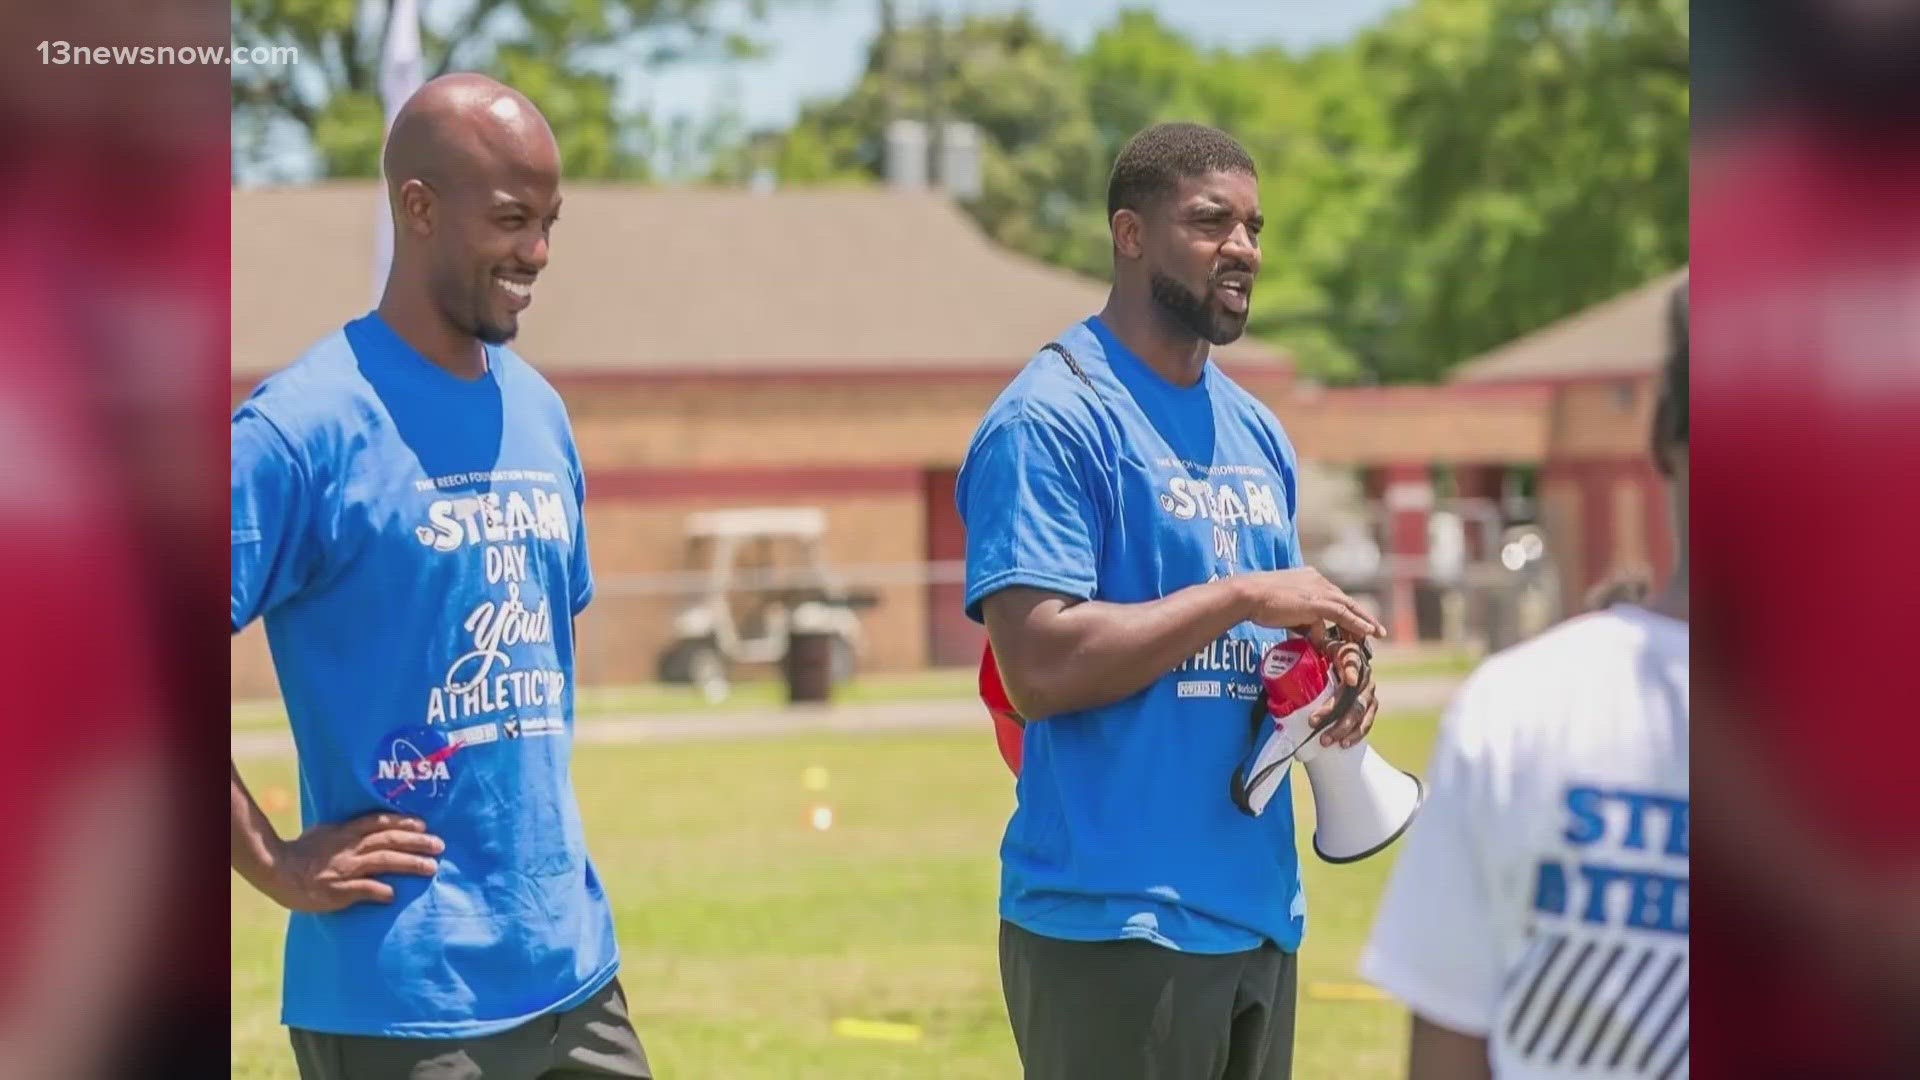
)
(763, 577)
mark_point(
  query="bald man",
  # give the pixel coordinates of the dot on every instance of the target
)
(407, 522)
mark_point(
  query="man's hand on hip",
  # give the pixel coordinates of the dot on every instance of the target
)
(330, 867)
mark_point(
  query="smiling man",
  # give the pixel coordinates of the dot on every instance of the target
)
(1131, 549)
(407, 521)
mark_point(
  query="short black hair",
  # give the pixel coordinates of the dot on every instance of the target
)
(1152, 164)
(1672, 418)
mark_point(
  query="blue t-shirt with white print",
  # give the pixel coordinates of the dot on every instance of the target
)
(1128, 490)
(415, 546)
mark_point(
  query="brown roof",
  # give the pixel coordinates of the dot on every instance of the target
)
(660, 279)
(1623, 336)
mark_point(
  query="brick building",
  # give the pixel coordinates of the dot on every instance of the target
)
(830, 348)
(1602, 500)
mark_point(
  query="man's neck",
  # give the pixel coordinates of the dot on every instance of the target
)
(1175, 353)
(419, 325)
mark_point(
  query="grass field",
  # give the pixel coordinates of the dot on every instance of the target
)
(746, 933)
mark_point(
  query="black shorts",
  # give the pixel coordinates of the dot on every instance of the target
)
(1131, 1010)
(595, 1039)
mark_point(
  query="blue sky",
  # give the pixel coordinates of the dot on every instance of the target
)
(818, 47)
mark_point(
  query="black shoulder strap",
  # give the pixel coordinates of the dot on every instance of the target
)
(1054, 346)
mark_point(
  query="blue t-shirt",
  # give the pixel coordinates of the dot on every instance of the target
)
(1126, 491)
(414, 543)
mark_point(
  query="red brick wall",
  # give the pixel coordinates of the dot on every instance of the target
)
(1605, 517)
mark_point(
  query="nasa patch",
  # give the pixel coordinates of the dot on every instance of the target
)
(412, 768)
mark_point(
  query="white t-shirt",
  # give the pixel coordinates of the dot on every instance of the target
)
(1541, 899)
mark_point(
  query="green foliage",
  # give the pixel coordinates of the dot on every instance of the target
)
(1551, 164)
(1459, 174)
(563, 54)
(1041, 156)
(1463, 172)
(348, 133)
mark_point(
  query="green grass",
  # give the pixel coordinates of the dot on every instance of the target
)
(1437, 663)
(746, 933)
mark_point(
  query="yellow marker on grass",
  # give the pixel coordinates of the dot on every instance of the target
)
(876, 1030)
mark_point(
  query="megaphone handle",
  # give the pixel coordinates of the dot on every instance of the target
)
(1349, 695)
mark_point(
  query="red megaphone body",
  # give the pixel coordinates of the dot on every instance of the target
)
(1008, 726)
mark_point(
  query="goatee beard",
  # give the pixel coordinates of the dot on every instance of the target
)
(1192, 312)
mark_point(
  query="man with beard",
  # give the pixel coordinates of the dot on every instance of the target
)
(406, 519)
(1132, 551)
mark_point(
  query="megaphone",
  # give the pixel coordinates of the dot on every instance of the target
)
(1361, 803)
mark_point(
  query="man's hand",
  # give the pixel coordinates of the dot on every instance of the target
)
(1350, 666)
(331, 867)
(1304, 601)
(1289, 599)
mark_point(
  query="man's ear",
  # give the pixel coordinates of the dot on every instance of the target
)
(417, 207)
(1128, 233)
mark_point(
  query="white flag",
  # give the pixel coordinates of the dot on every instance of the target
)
(402, 70)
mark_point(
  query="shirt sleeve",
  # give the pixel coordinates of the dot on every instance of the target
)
(273, 551)
(1030, 513)
(1434, 945)
(580, 572)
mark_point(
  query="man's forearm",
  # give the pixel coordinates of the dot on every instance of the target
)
(1439, 1053)
(254, 841)
(1057, 656)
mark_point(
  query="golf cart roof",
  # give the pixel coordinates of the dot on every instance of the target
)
(772, 521)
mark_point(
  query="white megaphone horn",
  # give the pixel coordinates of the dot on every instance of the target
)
(1361, 803)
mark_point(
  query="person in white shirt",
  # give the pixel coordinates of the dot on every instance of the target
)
(1536, 925)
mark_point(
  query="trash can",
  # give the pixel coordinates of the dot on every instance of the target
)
(809, 660)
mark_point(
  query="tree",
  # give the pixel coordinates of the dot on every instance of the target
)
(1549, 166)
(1041, 161)
(563, 54)
(1457, 175)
